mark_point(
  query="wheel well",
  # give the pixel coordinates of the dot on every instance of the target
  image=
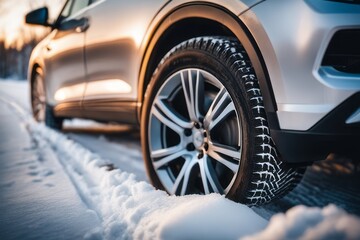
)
(201, 20)
(179, 32)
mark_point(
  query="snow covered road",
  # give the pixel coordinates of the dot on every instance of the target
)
(37, 198)
(58, 185)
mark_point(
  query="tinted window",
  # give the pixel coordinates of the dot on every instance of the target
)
(72, 7)
(66, 11)
(78, 5)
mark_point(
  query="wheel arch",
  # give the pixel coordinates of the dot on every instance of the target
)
(194, 20)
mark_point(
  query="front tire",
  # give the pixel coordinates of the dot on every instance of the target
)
(204, 128)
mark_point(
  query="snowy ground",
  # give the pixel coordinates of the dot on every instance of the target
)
(62, 186)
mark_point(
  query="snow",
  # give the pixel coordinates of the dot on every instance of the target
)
(302, 222)
(37, 198)
(128, 208)
(134, 209)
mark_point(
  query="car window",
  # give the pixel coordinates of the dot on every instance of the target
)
(72, 7)
(78, 5)
(93, 1)
(66, 11)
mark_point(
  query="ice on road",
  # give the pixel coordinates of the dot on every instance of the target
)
(52, 187)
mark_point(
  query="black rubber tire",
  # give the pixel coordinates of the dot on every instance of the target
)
(50, 119)
(262, 176)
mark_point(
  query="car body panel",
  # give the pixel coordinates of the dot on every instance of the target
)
(112, 57)
(110, 60)
(106, 68)
(293, 51)
(64, 64)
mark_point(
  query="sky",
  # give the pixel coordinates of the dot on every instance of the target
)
(12, 14)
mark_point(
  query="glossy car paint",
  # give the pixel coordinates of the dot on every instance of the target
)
(75, 59)
(110, 62)
(293, 50)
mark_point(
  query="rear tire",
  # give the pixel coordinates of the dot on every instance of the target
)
(190, 82)
(42, 112)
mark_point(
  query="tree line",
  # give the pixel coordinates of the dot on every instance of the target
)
(13, 61)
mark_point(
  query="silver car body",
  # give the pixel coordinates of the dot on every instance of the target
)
(102, 71)
(293, 42)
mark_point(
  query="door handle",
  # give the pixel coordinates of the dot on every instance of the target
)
(83, 25)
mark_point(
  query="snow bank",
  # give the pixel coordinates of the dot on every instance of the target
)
(302, 222)
(131, 209)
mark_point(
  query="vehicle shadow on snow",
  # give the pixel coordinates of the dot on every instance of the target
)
(115, 133)
(332, 181)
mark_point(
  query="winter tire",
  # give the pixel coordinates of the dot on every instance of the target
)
(204, 128)
(41, 111)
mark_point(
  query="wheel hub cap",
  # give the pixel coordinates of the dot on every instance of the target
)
(198, 139)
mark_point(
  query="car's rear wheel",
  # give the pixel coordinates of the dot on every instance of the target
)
(41, 111)
(204, 127)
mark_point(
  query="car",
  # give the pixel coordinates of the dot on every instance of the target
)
(232, 97)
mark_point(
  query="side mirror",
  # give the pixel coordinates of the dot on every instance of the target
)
(38, 17)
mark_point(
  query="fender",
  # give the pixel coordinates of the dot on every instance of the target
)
(232, 23)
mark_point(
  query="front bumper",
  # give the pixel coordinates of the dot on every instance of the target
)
(293, 37)
(337, 132)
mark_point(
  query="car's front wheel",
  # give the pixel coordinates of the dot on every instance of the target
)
(204, 127)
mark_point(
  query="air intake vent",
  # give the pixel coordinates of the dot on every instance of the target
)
(346, 1)
(343, 52)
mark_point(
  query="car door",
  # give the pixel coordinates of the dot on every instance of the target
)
(112, 41)
(64, 62)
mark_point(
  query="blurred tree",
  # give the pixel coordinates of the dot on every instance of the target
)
(17, 39)
(2, 59)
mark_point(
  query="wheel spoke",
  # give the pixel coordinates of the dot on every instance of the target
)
(167, 116)
(214, 151)
(193, 88)
(184, 175)
(219, 109)
(222, 116)
(166, 151)
(226, 150)
(202, 166)
(208, 175)
(171, 157)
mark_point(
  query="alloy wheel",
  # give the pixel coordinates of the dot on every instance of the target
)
(195, 134)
